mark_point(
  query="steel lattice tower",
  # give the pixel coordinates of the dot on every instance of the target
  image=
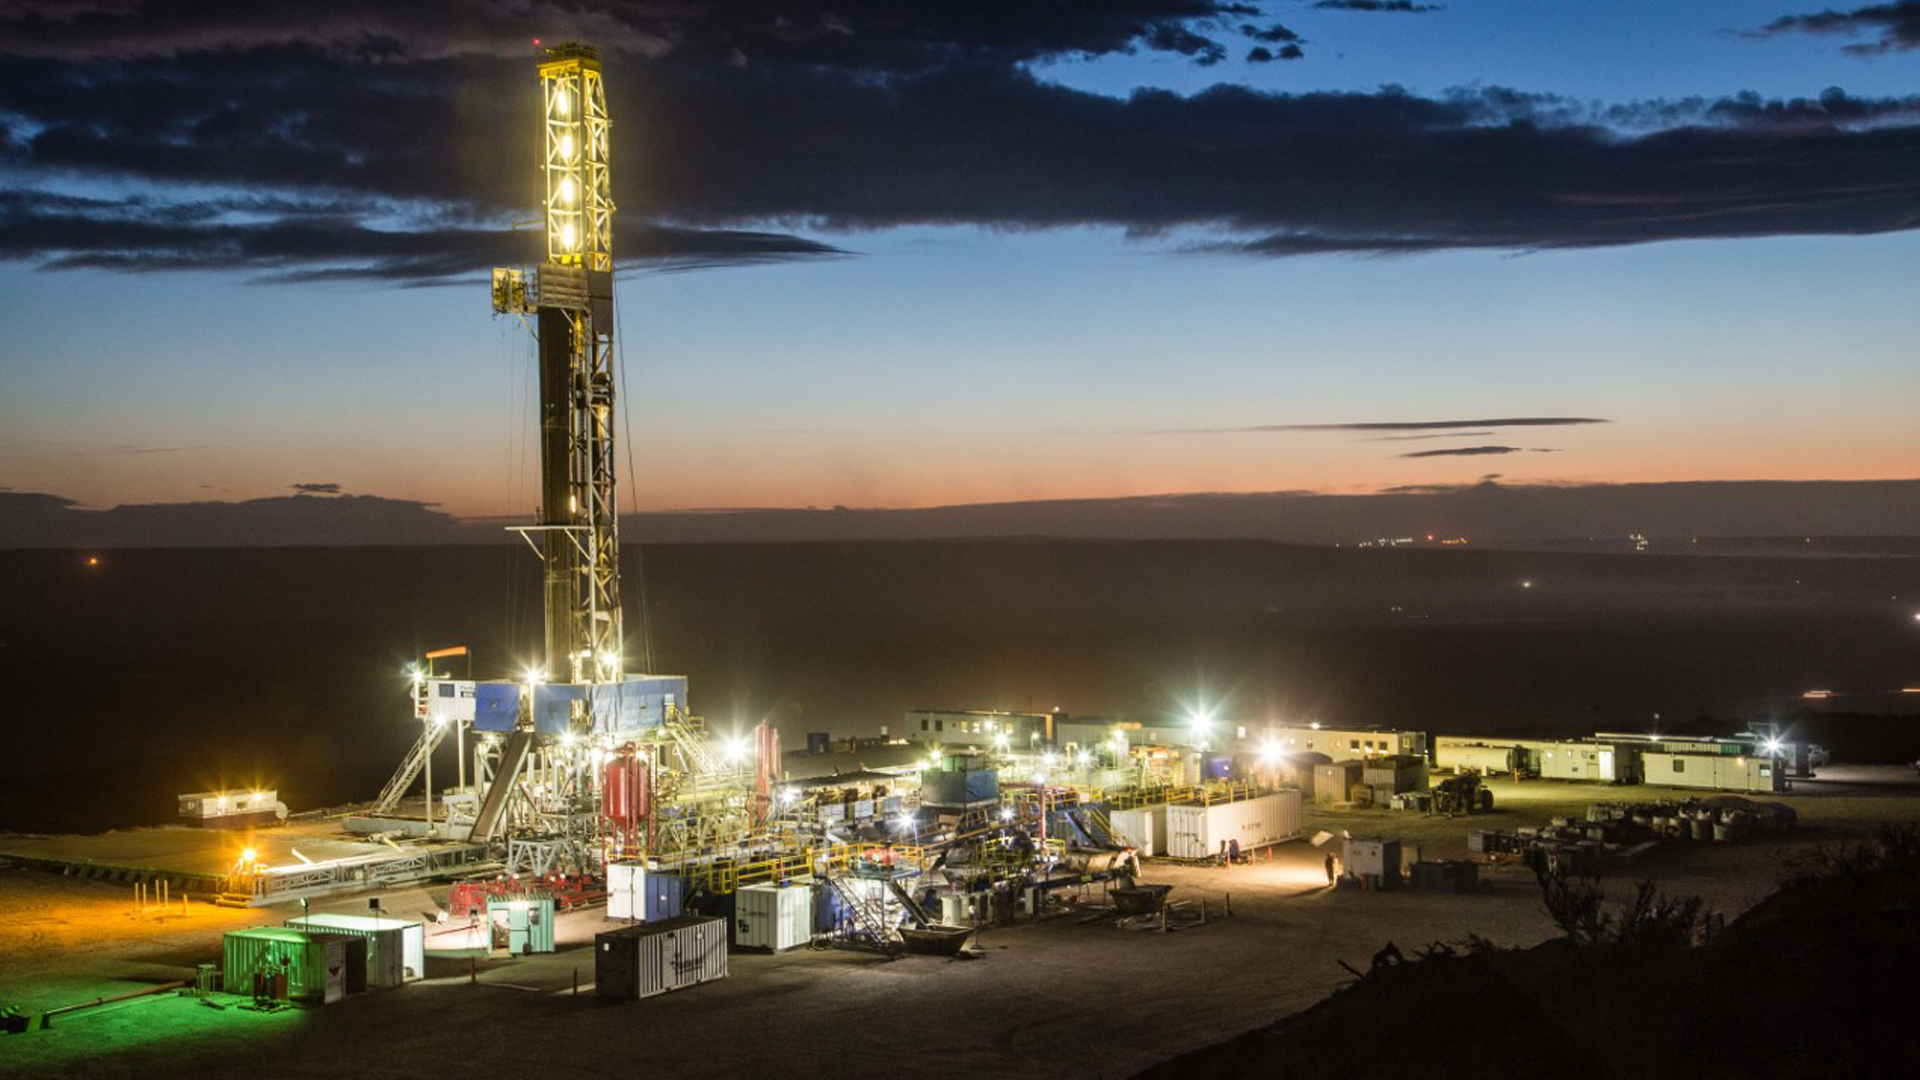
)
(571, 297)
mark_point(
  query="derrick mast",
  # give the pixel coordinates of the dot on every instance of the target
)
(571, 298)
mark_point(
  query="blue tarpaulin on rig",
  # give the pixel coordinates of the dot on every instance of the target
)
(553, 707)
(642, 701)
(496, 706)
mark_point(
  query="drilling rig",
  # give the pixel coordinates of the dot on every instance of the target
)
(579, 762)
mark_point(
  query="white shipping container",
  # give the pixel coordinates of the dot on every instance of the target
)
(396, 948)
(772, 917)
(1196, 832)
(1143, 827)
(684, 952)
(626, 889)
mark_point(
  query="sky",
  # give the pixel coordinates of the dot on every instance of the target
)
(886, 254)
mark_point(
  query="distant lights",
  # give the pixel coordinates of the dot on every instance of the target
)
(566, 190)
(566, 147)
(562, 102)
(534, 676)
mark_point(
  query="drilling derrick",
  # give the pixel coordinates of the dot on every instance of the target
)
(571, 298)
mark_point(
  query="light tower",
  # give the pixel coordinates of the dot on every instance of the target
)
(571, 297)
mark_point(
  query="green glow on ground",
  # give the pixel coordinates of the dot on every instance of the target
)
(142, 1032)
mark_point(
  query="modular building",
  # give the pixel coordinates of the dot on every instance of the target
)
(1198, 831)
(232, 809)
(635, 892)
(773, 917)
(1344, 744)
(1582, 760)
(1718, 772)
(654, 958)
(396, 948)
(315, 965)
(1143, 828)
(982, 728)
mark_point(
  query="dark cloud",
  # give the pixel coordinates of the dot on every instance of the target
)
(391, 141)
(317, 489)
(1406, 425)
(1376, 5)
(293, 240)
(1422, 438)
(1896, 27)
(1480, 451)
(1273, 34)
(1260, 54)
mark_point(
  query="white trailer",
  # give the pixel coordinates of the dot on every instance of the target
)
(1197, 831)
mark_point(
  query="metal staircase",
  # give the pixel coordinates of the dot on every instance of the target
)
(870, 925)
(423, 748)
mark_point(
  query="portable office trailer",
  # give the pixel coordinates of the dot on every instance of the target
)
(772, 917)
(653, 958)
(635, 892)
(1582, 760)
(396, 948)
(1345, 744)
(1196, 832)
(1718, 772)
(315, 967)
(1144, 827)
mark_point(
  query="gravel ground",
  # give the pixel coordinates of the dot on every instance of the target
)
(1052, 999)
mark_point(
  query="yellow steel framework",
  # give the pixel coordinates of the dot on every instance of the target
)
(572, 293)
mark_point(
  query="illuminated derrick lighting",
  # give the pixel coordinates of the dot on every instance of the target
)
(735, 749)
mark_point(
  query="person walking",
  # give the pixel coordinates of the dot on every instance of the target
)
(1330, 870)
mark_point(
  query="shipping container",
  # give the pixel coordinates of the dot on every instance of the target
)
(1334, 782)
(1373, 857)
(773, 917)
(519, 925)
(1197, 832)
(1144, 828)
(653, 958)
(396, 948)
(635, 892)
(1395, 775)
(316, 969)
(355, 956)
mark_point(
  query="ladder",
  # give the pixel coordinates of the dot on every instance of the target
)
(867, 921)
(416, 759)
(1098, 827)
(692, 745)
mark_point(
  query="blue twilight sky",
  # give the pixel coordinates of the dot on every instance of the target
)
(962, 347)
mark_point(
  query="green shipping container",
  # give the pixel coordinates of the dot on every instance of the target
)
(316, 969)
